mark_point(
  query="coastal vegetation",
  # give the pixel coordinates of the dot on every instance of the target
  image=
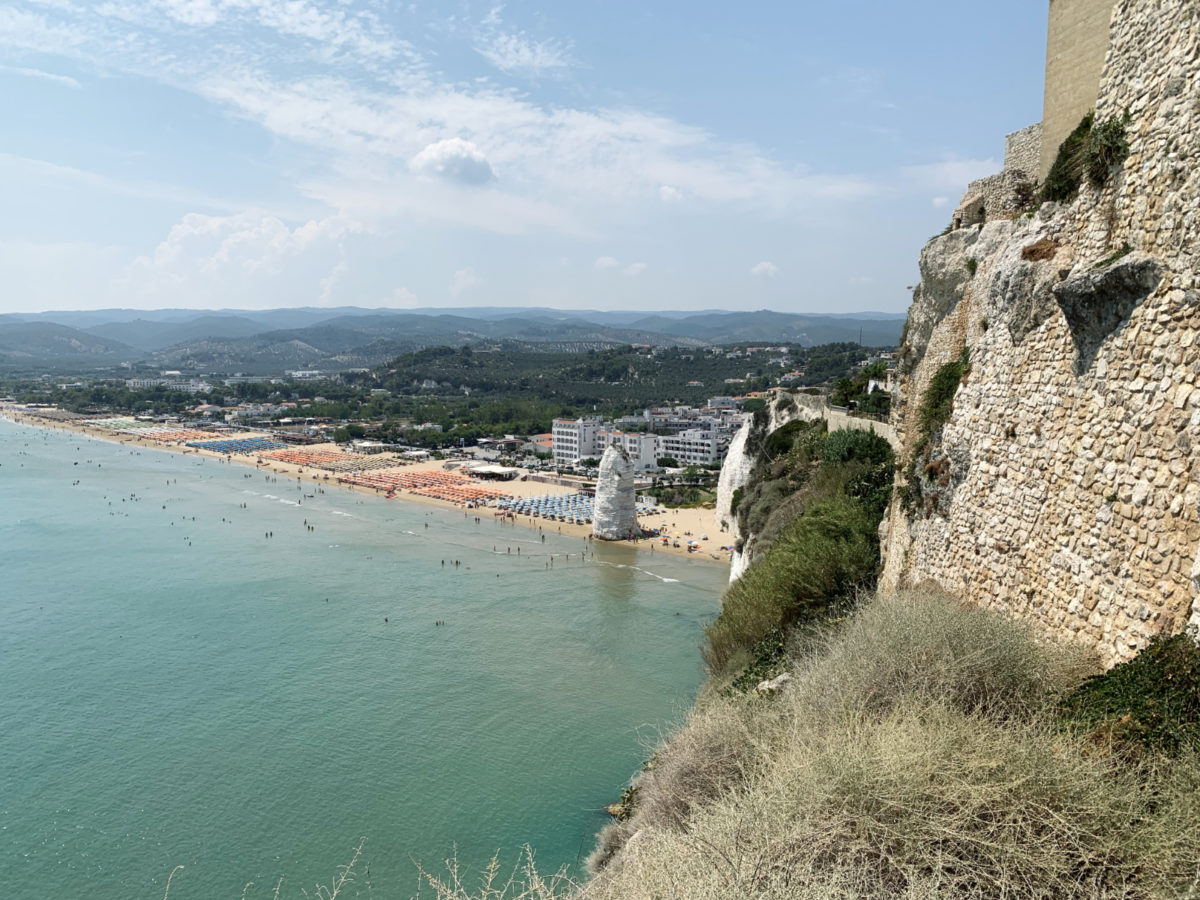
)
(922, 748)
(813, 504)
(854, 391)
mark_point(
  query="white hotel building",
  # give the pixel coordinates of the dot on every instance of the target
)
(575, 439)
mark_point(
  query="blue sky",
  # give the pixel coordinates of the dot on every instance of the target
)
(657, 155)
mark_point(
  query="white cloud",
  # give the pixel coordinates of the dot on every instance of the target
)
(455, 160)
(861, 281)
(949, 175)
(191, 12)
(939, 202)
(464, 280)
(330, 282)
(246, 260)
(336, 80)
(378, 133)
(515, 52)
(403, 297)
(64, 80)
(765, 269)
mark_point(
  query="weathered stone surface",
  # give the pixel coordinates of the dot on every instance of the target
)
(1079, 422)
(616, 498)
(1096, 301)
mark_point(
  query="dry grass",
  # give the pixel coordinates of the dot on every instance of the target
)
(522, 883)
(915, 755)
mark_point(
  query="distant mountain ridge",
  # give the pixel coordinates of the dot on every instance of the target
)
(270, 341)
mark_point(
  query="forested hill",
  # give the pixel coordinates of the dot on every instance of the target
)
(633, 377)
(271, 341)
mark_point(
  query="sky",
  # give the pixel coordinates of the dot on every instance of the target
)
(252, 154)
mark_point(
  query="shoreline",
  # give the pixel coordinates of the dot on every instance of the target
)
(683, 523)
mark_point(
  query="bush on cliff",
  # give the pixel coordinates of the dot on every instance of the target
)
(1149, 704)
(815, 565)
(1093, 150)
(934, 412)
(917, 752)
(814, 503)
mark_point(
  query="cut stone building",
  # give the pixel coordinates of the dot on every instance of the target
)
(1077, 39)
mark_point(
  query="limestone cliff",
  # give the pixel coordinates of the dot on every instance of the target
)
(1062, 487)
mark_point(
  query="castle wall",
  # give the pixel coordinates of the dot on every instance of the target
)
(1070, 465)
(1077, 38)
(1023, 151)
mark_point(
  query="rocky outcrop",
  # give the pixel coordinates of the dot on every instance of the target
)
(1095, 303)
(1072, 451)
(616, 498)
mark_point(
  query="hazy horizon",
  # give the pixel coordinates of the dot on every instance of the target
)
(465, 311)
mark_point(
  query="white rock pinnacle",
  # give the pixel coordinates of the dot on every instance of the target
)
(616, 499)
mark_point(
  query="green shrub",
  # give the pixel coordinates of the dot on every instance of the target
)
(782, 439)
(1093, 150)
(1107, 146)
(972, 266)
(736, 500)
(816, 565)
(767, 659)
(756, 507)
(938, 401)
(848, 444)
(1150, 702)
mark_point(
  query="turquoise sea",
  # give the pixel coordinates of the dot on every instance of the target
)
(178, 688)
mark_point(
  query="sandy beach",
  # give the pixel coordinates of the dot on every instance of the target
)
(680, 525)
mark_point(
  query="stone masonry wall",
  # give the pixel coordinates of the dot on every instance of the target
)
(1023, 150)
(1069, 471)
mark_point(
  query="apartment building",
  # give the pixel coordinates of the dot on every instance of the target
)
(699, 447)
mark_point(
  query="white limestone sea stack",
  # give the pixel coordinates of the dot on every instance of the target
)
(616, 498)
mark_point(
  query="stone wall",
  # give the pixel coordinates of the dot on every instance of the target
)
(1023, 151)
(1009, 192)
(1076, 41)
(1001, 196)
(1069, 471)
